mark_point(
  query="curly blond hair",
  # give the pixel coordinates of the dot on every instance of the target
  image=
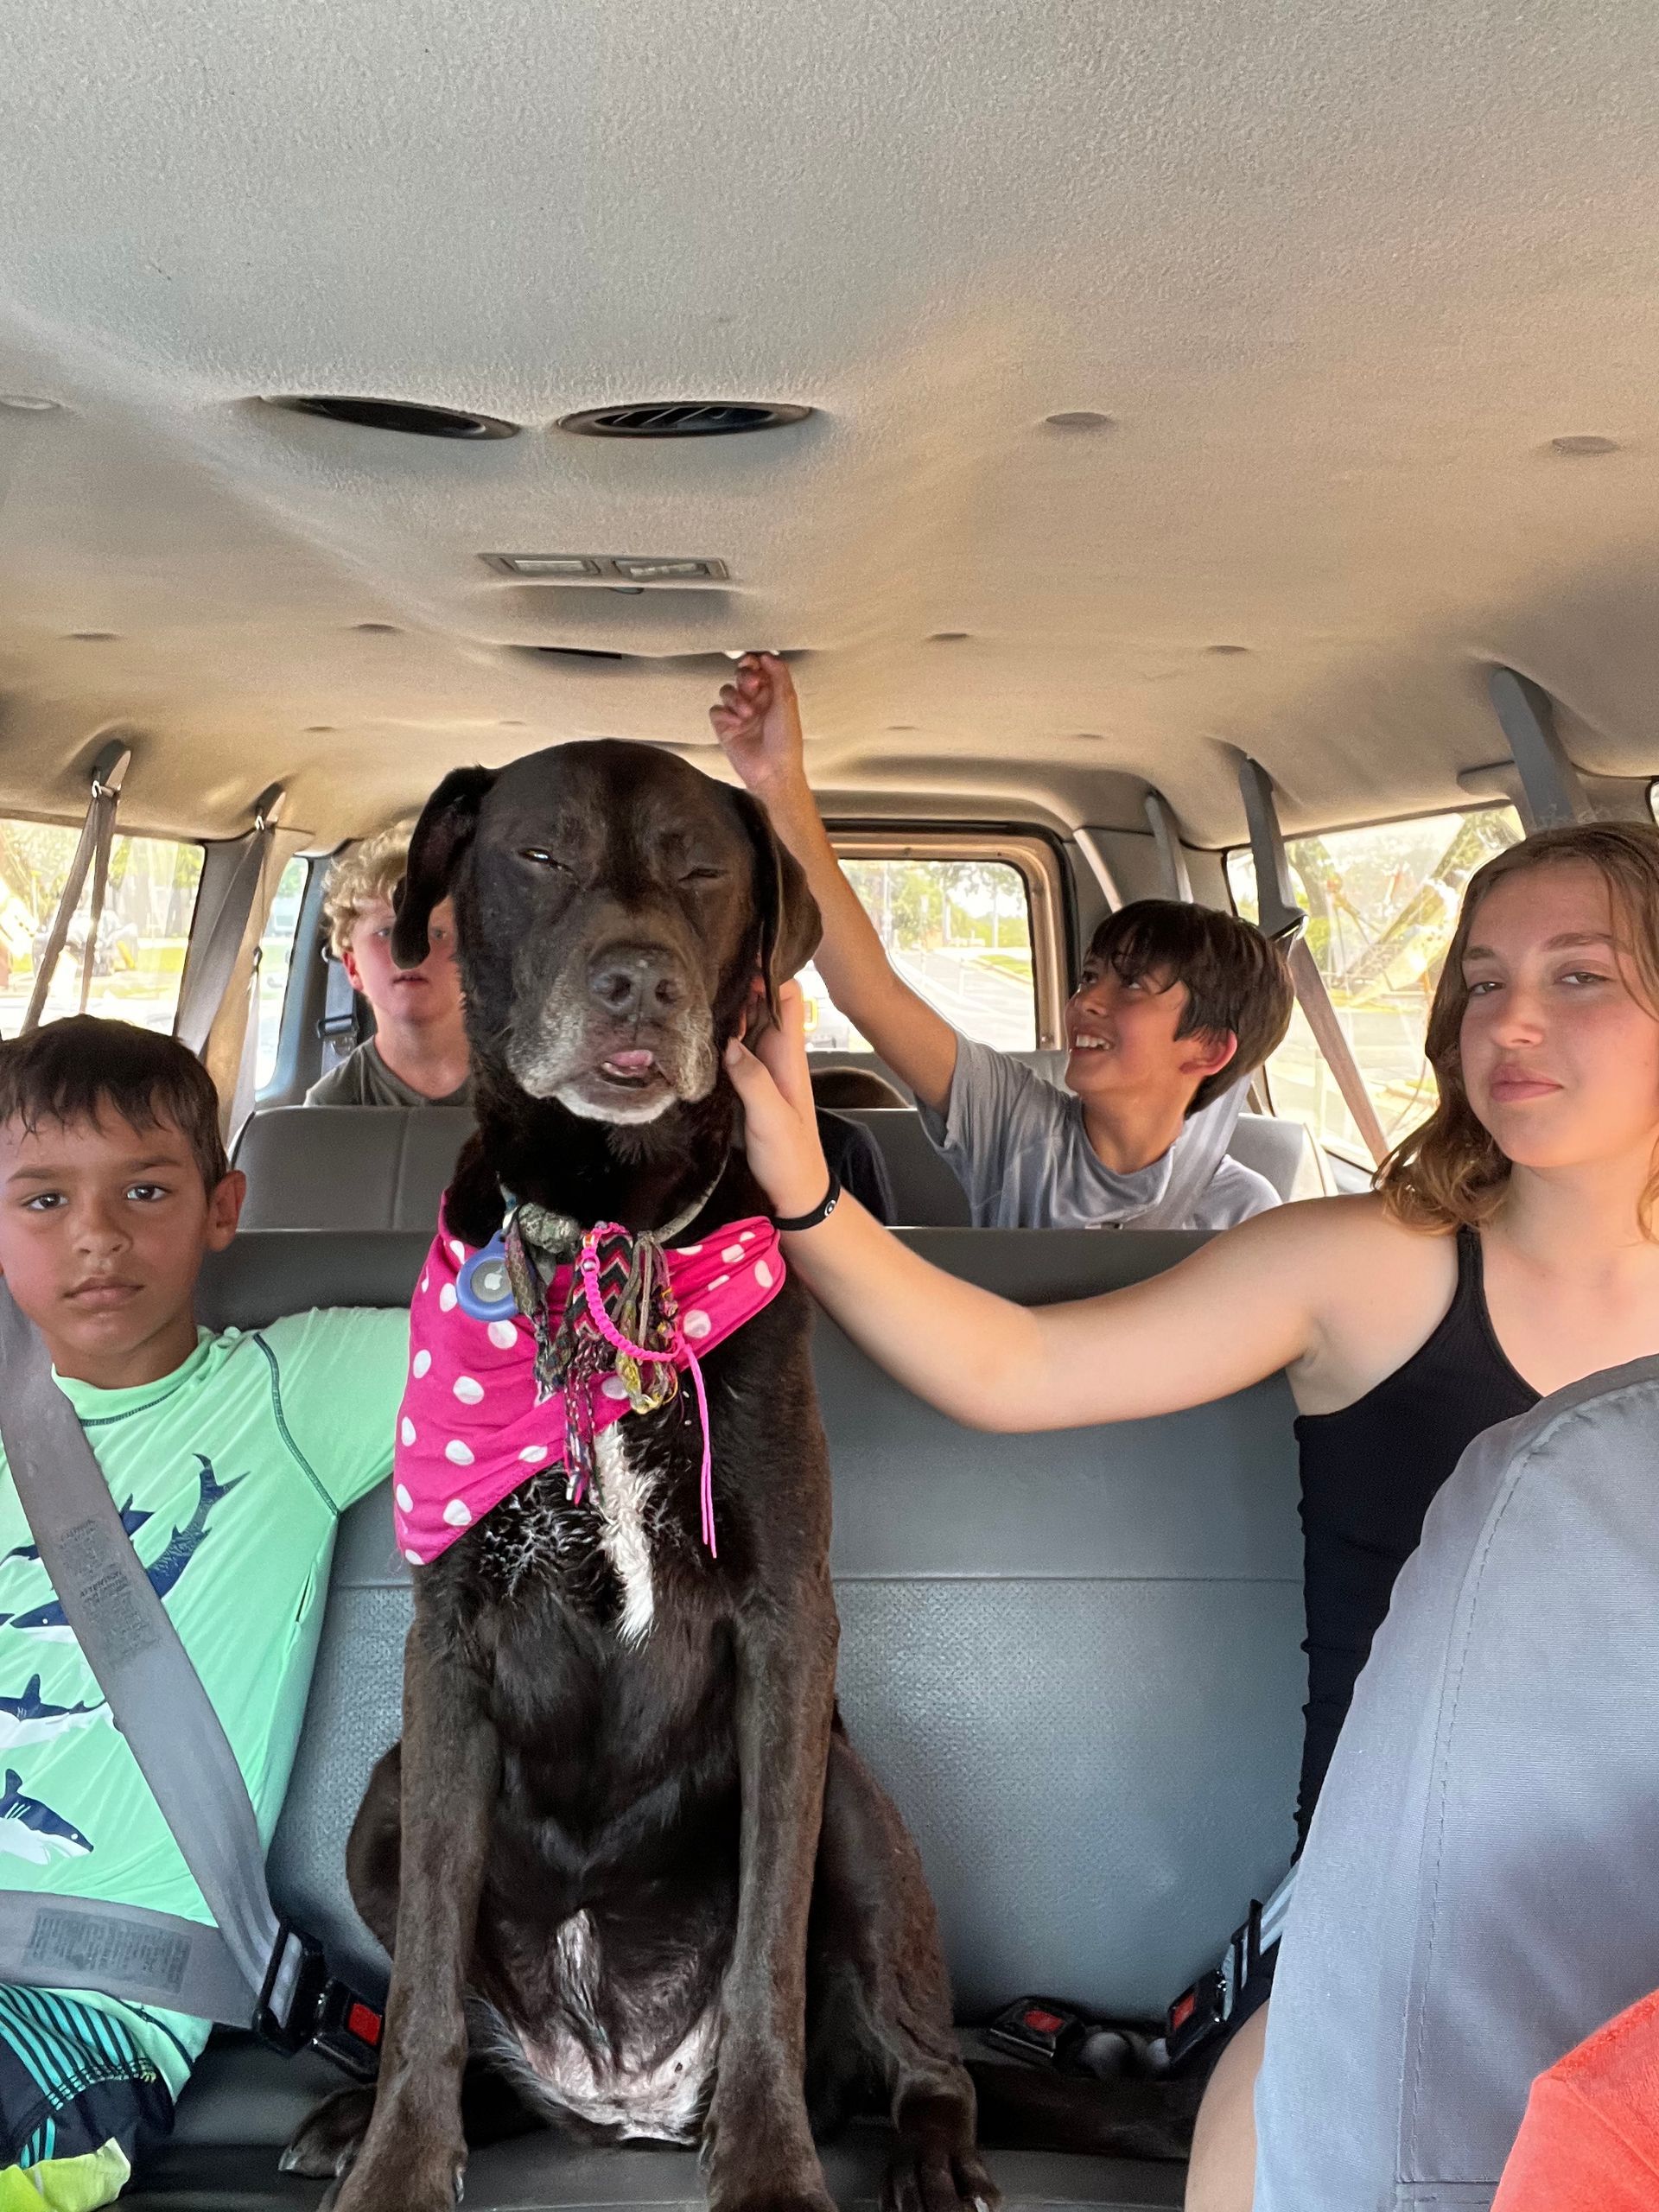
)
(364, 873)
(1448, 1173)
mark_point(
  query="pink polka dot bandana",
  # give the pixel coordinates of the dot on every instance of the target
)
(471, 1430)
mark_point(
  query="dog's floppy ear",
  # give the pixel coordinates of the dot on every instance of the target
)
(446, 829)
(790, 924)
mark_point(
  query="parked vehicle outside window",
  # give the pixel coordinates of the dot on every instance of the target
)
(1382, 904)
(139, 956)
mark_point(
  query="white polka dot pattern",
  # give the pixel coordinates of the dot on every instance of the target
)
(471, 1429)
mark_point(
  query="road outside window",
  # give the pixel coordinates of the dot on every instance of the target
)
(1382, 904)
(139, 956)
(959, 933)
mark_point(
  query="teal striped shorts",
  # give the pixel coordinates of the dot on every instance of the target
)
(73, 2080)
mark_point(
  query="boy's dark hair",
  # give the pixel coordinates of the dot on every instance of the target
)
(76, 1070)
(1236, 979)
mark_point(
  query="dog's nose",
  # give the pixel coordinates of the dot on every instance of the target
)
(635, 982)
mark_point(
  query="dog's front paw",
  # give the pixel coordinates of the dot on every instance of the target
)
(400, 2180)
(925, 2177)
(758, 2154)
(325, 2142)
(773, 2196)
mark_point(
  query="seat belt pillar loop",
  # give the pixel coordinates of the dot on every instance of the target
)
(1552, 791)
(217, 947)
(92, 853)
(1283, 920)
(1171, 857)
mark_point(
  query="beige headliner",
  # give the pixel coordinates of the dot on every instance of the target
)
(1340, 271)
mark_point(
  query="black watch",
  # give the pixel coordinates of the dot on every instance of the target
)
(822, 1211)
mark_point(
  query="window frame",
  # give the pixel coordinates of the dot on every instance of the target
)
(45, 818)
(1035, 859)
(1263, 1076)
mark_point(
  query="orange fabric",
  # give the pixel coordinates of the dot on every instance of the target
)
(1590, 2141)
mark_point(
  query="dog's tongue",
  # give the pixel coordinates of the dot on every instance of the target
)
(632, 1062)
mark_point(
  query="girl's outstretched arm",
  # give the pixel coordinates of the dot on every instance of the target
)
(1239, 1309)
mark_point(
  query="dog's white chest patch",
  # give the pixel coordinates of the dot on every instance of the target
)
(625, 1495)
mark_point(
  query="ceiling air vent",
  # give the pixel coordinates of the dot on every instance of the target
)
(681, 418)
(405, 415)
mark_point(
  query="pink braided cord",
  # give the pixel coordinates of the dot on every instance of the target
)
(678, 1350)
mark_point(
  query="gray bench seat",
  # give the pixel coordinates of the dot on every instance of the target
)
(1073, 1659)
(380, 1168)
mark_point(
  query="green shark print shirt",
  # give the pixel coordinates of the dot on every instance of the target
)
(230, 1473)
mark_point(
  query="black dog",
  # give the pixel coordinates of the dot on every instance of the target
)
(649, 1864)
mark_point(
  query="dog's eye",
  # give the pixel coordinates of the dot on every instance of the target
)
(534, 853)
(702, 876)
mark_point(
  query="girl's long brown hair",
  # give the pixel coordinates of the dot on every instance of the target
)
(1448, 1173)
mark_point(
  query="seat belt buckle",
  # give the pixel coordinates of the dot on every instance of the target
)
(1039, 2030)
(1203, 2010)
(303, 2007)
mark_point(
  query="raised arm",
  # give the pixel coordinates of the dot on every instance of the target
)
(1241, 1309)
(758, 722)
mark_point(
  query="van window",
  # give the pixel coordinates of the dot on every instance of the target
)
(959, 931)
(139, 956)
(275, 959)
(1382, 904)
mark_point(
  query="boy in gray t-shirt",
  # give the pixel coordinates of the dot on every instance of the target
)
(1178, 1005)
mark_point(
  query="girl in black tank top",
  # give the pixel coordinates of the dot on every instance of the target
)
(1370, 1474)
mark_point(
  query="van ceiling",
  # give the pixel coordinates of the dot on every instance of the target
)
(1338, 274)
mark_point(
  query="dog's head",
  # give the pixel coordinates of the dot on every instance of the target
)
(615, 909)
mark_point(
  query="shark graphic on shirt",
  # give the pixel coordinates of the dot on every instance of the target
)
(30, 1829)
(182, 1545)
(30, 1719)
(131, 1520)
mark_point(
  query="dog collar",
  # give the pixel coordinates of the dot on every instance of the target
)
(478, 1421)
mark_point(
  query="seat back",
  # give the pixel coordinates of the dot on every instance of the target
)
(1476, 1894)
(926, 1194)
(349, 1166)
(1073, 1659)
(1281, 1149)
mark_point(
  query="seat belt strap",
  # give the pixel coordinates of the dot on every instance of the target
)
(141, 1957)
(91, 851)
(212, 969)
(253, 1969)
(104, 805)
(133, 1648)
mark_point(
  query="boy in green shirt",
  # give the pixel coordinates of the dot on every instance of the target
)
(232, 1457)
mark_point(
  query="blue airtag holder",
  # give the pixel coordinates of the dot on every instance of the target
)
(483, 1288)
